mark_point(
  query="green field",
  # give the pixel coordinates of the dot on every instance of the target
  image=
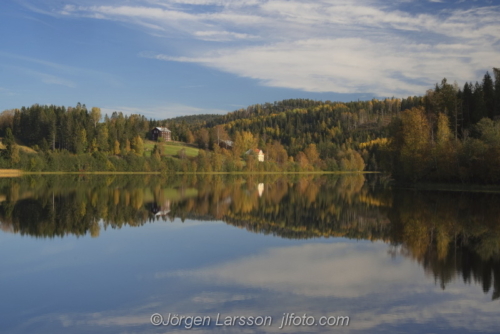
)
(170, 148)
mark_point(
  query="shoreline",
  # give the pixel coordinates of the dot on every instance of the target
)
(19, 173)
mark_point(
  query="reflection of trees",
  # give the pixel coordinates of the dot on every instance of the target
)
(315, 208)
(302, 208)
(451, 235)
(52, 208)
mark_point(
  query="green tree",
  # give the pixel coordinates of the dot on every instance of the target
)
(81, 141)
(103, 137)
(489, 95)
(12, 149)
(496, 73)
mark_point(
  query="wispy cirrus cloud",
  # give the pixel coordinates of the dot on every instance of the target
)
(56, 73)
(321, 46)
(46, 77)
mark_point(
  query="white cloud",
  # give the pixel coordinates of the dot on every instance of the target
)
(346, 65)
(364, 277)
(45, 77)
(361, 280)
(7, 92)
(220, 35)
(341, 270)
(321, 46)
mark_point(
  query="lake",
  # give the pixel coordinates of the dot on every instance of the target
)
(234, 254)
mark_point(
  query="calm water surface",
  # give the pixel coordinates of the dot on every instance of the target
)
(102, 254)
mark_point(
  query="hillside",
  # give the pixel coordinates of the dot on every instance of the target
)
(196, 120)
(22, 148)
(449, 134)
(170, 148)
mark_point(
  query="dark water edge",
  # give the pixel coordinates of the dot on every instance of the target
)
(459, 187)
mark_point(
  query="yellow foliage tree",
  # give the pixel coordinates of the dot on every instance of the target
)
(116, 147)
(412, 142)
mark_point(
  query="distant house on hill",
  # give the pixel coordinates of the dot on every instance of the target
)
(160, 132)
(258, 153)
(227, 144)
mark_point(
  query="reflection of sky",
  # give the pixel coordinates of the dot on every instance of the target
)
(115, 282)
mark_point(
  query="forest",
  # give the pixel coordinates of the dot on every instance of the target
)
(454, 137)
(449, 134)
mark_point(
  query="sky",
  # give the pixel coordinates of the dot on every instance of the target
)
(168, 58)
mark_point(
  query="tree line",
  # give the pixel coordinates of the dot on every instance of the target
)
(449, 134)
(453, 137)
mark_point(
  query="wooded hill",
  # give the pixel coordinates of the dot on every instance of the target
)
(406, 137)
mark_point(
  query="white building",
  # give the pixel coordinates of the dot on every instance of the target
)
(256, 152)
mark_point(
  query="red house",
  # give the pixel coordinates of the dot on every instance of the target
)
(160, 132)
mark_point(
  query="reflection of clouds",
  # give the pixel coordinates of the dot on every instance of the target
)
(393, 312)
(464, 311)
(219, 297)
(381, 291)
(340, 270)
(359, 279)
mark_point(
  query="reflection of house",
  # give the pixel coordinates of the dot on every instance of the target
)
(160, 132)
(260, 189)
(162, 210)
(258, 153)
(227, 144)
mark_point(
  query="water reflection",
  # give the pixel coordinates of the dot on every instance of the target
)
(345, 245)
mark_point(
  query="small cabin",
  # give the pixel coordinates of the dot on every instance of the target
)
(160, 132)
(258, 153)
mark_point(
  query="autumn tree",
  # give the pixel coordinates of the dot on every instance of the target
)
(244, 141)
(312, 154)
(7, 119)
(444, 152)
(116, 147)
(276, 152)
(410, 143)
(95, 115)
(219, 134)
(203, 138)
(443, 133)
(350, 160)
(137, 145)
(302, 160)
(189, 137)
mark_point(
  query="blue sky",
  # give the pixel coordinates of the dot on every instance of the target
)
(166, 58)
